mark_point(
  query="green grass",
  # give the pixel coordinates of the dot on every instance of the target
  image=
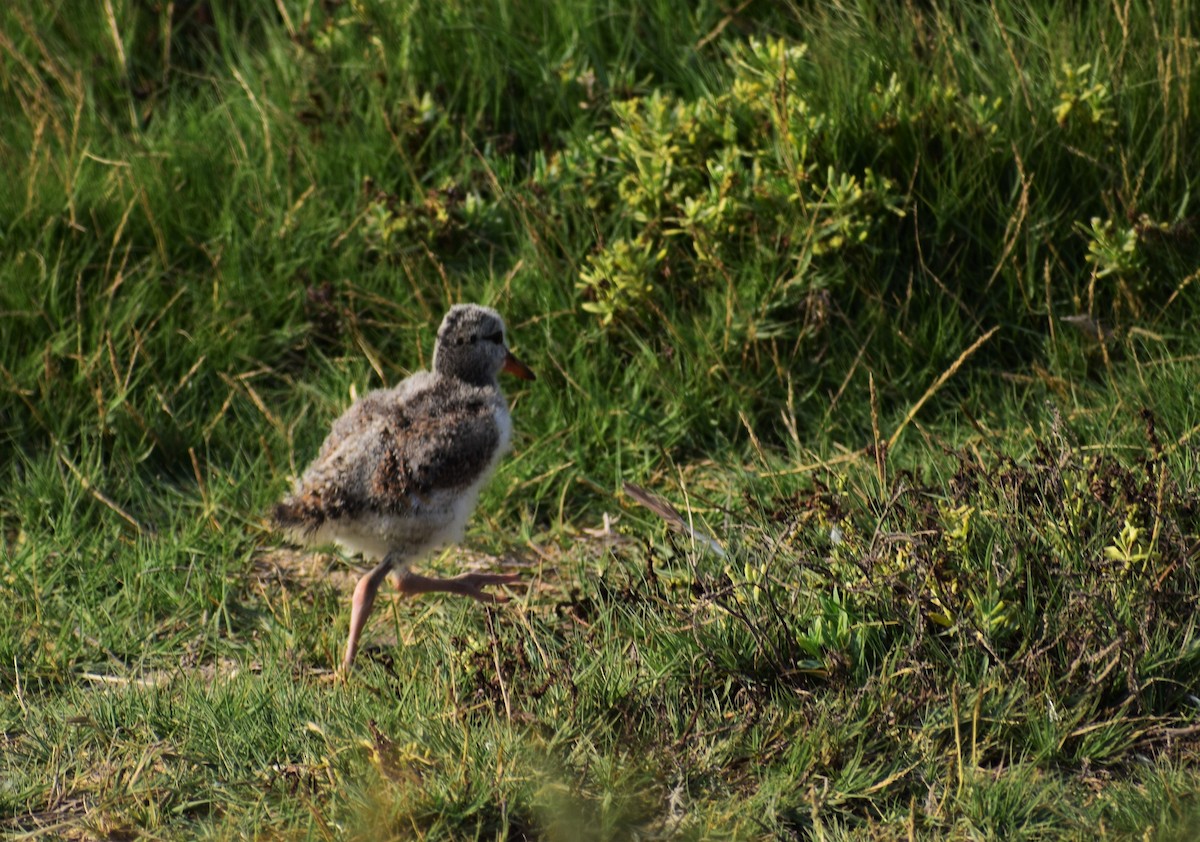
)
(801, 268)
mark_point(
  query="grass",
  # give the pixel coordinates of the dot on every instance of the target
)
(898, 303)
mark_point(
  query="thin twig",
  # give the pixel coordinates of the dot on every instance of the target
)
(672, 516)
(101, 496)
(941, 381)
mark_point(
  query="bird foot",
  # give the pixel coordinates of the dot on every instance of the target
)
(468, 584)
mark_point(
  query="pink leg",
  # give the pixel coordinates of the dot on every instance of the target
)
(360, 607)
(468, 584)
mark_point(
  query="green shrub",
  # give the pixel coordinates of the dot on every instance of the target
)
(693, 187)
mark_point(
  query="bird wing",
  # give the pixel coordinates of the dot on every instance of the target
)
(429, 446)
(391, 451)
(369, 411)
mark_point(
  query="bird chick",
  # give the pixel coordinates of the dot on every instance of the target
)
(401, 470)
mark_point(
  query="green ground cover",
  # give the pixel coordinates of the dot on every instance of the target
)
(897, 301)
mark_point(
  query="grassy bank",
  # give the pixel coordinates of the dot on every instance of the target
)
(895, 301)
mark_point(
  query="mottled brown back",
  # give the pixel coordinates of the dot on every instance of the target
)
(396, 448)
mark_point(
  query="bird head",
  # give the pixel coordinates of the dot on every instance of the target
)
(471, 347)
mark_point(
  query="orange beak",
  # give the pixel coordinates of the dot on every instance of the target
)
(517, 368)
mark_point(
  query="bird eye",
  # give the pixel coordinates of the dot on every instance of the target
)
(496, 337)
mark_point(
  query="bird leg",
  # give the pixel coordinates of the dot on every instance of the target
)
(468, 584)
(360, 606)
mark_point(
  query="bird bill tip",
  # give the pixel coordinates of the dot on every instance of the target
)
(517, 368)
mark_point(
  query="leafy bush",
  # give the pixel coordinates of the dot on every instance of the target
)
(691, 188)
